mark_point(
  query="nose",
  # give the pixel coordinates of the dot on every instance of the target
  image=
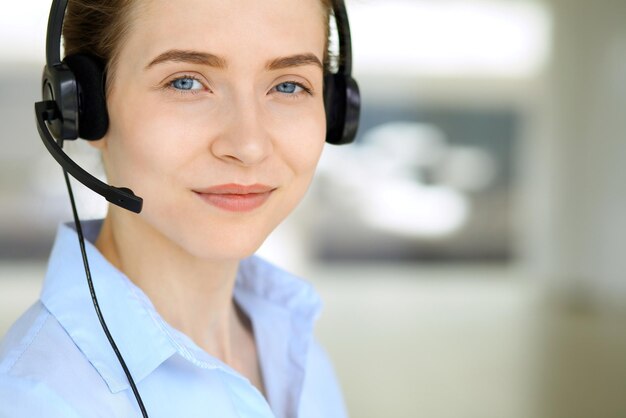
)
(244, 139)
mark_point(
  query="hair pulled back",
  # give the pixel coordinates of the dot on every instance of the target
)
(100, 27)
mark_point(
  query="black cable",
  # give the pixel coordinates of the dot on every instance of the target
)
(94, 299)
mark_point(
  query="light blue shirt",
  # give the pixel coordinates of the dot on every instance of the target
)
(56, 362)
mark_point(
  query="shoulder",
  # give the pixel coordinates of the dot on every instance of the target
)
(41, 369)
(38, 346)
(23, 334)
(322, 392)
(23, 361)
(25, 397)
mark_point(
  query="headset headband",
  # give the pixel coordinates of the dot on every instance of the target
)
(53, 36)
(345, 39)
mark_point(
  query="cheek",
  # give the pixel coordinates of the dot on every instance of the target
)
(300, 147)
(299, 138)
(145, 145)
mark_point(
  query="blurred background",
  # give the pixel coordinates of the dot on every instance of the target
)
(469, 247)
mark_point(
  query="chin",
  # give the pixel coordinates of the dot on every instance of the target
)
(223, 250)
(221, 243)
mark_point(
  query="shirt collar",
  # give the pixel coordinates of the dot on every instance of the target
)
(265, 293)
(128, 313)
(283, 310)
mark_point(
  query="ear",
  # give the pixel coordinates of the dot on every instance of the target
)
(100, 144)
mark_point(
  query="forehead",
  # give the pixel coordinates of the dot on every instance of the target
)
(242, 31)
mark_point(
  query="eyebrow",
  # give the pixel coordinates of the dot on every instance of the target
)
(211, 60)
(193, 57)
(297, 60)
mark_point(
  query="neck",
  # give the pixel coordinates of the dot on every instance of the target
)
(193, 295)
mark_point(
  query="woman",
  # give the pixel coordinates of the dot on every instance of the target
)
(216, 119)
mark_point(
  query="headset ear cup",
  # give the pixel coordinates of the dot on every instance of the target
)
(352, 112)
(334, 103)
(92, 110)
(342, 101)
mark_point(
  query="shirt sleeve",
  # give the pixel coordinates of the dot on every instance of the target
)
(23, 398)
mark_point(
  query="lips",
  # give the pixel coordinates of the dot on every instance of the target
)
(235, 197)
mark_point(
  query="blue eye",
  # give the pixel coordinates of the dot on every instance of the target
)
(186, 83)
(289, 87)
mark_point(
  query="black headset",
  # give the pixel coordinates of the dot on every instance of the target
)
(74, 102)
(74, 105)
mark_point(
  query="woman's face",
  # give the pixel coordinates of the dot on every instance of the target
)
(209, 93)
